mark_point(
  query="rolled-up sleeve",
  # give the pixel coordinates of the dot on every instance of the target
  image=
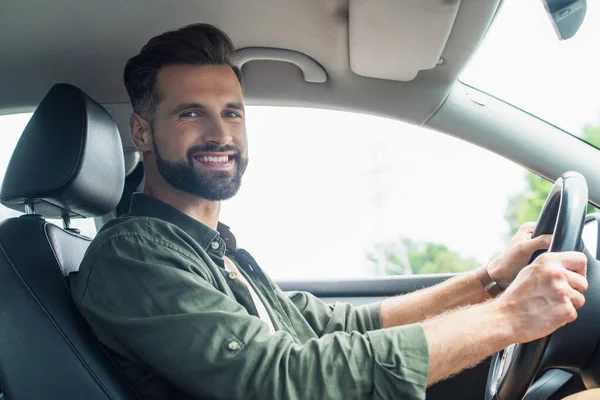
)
(328, 318)
(153, 307)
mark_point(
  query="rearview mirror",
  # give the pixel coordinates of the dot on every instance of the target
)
(566, 16)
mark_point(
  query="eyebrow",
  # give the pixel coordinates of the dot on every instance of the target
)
(186, 106)
(236, 106)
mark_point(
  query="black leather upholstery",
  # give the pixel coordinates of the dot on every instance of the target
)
(47, 350)
(69, 159)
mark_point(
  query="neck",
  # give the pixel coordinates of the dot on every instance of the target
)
(201, 210)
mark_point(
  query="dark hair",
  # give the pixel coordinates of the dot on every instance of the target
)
(197, 44)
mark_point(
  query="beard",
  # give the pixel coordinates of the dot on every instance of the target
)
(208, 185)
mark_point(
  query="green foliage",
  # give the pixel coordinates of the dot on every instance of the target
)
(591, 134)
(409, 257)
(528, 205)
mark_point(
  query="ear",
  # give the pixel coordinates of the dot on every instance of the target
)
(141, 133)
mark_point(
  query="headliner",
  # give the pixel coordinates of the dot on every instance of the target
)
(87, 44)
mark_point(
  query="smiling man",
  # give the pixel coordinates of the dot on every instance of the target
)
(188, 314)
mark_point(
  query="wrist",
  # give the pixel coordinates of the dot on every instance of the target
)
(489, 285)
(505, 320)
(502, 275)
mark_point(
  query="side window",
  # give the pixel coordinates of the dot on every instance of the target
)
(330, 194)
(11, 127)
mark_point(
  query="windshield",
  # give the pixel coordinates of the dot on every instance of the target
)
(522, 62)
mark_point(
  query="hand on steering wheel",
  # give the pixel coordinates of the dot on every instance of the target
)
(546, 294)
(518, 253)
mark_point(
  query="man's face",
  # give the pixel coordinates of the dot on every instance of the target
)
(199, 130)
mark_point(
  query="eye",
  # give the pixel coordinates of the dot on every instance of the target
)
(191, 114)
(231, 114)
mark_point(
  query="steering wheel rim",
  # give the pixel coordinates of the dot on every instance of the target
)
(563, 215)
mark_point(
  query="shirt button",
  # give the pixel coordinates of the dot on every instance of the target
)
(233, 275)
(215, 245)
(233, 346)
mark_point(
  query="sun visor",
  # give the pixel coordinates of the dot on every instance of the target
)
(395, 39)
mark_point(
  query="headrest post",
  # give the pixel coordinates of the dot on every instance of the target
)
(29, 208)
(66, 221)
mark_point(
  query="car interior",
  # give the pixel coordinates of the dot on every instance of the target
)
(62, 61)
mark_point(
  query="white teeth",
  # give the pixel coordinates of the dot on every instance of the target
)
(221, 159)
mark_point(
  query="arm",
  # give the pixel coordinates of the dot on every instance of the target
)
(461, 339)
(459, 291)
(328, 318)
(155, 310)
(414, 307)
(544, 297)
(465, 289)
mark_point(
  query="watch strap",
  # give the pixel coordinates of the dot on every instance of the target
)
(490, 286)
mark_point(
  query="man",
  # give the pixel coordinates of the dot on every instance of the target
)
(189, 315)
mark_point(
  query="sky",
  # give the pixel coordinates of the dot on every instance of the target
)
(324, 186)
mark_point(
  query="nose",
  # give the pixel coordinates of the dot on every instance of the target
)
(219, 133)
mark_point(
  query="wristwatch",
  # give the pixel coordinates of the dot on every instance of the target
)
(490, 286)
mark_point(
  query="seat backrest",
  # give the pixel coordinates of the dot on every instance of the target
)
(68, 163)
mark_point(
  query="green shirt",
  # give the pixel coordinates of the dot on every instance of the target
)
(154, 289)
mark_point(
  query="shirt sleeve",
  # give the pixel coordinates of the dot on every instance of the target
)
(146, 301)
(328, 318)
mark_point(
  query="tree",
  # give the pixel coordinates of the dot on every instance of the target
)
(591, 134)
(527, 206)
(405, 257)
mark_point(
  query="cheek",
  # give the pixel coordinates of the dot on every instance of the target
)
(171, 145)
(241, 138)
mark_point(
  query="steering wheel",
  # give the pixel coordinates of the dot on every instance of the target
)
(513, 369)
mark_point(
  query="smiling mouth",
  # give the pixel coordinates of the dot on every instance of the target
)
(215, 161)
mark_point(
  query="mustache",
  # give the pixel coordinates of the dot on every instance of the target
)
(214, 148)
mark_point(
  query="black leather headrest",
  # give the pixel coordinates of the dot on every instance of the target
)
(69, 159)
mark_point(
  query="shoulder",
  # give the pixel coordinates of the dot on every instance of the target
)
(136, 246)
(145, 234)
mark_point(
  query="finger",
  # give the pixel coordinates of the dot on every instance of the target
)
(572, 260)
(576, 281)
(538, 243)
(527, 227)
(577, 299)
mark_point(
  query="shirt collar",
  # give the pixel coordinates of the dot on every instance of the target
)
(148, 206)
